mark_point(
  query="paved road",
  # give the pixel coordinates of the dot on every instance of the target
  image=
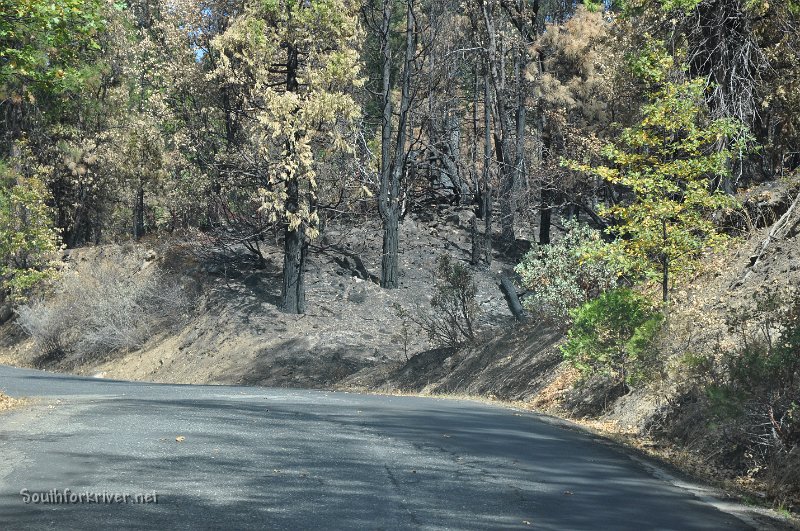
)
(268, 458)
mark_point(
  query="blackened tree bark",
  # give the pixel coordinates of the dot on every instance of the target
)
(393, 163)
(482, 243)
(138, 214)
(503, 135)
(552, 142)
(510, 155)
(293, 295)
(545, 215)
(520, 62)
(294, 259)
(512, 298)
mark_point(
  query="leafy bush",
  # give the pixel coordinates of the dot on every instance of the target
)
(454, 309)
(102, 309)
(28, 240)
(613, 335)
(759, 379)
(566, 274)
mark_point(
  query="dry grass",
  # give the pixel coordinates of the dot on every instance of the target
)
(112, 305)
(551, 397)
(7, 403)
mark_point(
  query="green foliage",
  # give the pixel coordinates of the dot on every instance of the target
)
(651, 63)
(682, 5)
(566, 274)
(613, 336)
(27, 237)
(763, 373)
(667, 163)
(633, 7)
(593, 5)
(454, 309)
(42, 40)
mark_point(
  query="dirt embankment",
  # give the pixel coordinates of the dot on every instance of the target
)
(351, 338)
(231, 331)
(515, 364)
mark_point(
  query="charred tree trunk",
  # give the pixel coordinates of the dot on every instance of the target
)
(293, 295)
(552, 144)
(512, 298)
(452, 155)
(138, 214)
(545, 216)
(503, 135)
(390, 267)
(294, 258)
(477, 252)
(387, 204)
(487, 226)
(486, 196)
(393, 165)
(482, 241)
(520, 62)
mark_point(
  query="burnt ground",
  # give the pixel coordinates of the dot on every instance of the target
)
(233, 333)
(351, 338)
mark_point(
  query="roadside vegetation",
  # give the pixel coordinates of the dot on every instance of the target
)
(339, 189)
(106, 307)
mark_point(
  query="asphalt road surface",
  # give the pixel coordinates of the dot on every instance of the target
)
(284, 459)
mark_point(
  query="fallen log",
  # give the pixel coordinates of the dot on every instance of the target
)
(512, 298)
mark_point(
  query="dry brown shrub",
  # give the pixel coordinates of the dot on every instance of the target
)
(109, 304)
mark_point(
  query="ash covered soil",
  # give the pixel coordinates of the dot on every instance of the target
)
(233, 332)
(351, 337)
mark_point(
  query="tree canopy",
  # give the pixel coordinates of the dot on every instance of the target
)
(248, 119)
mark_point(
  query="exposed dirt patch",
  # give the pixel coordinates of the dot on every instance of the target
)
(235, 334)
(513, 365)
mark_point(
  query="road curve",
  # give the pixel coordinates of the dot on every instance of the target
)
(284, 459)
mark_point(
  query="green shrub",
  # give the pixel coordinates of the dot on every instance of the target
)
(28, 241)
(761, 378)
(613, 335)
(566, 274)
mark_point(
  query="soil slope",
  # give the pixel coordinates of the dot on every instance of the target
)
(233, 333)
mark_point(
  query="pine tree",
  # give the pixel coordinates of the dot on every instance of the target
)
(293, 64)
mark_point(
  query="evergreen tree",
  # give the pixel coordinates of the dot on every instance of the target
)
(293, 64)
(668, 164)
